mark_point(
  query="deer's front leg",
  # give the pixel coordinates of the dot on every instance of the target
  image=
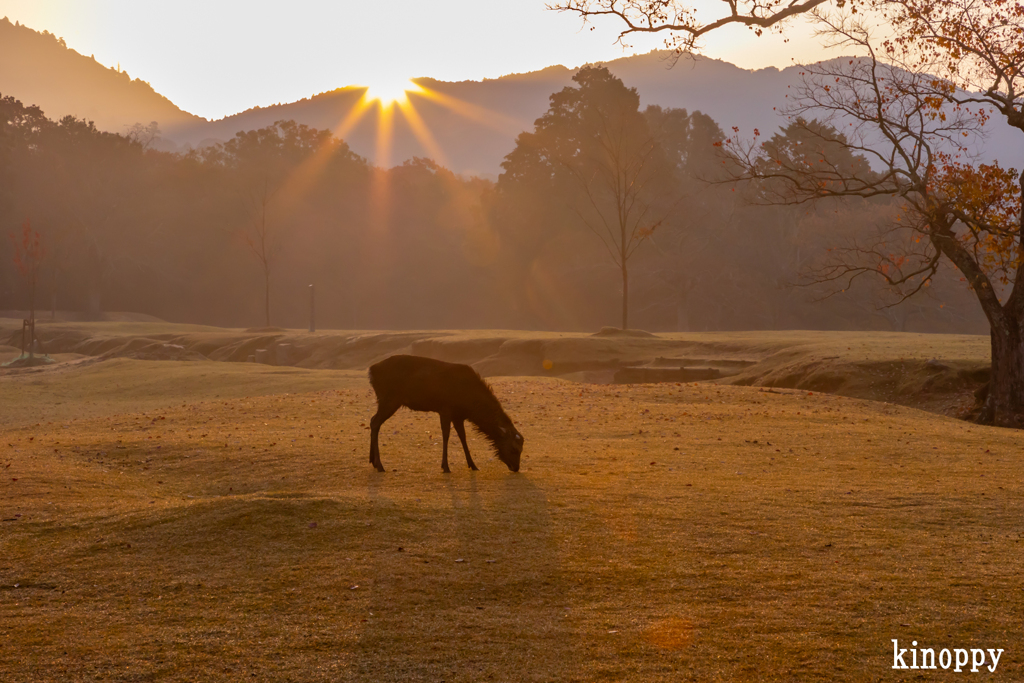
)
(460, 429)
(446, 428)
(383, 413)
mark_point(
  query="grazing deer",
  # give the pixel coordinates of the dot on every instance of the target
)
(456, 392)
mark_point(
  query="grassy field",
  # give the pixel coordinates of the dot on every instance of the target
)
(218, 521)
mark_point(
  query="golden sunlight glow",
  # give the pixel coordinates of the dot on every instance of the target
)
(423, 134)
(388, 106)
(487, 117)
(389, 93)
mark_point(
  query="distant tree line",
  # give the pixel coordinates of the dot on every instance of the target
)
(603, 211)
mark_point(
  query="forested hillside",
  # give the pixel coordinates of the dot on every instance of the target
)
(204, 236)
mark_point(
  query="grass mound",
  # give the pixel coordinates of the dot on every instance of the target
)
(83, 316)
(940, 373)
(618, 332)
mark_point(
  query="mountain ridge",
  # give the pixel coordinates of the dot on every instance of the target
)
(472, 124)
(38, 68)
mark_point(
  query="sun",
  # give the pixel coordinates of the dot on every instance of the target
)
(391, 92)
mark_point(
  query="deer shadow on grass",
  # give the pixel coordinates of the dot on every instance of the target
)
(191, 587)
(477, 591)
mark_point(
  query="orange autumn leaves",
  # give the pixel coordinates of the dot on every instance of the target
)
(974, 43)
(986, 199)
(28, 251)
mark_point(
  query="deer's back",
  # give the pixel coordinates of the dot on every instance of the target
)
(426, 384)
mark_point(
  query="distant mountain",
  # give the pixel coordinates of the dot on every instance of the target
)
(483, 118)
(471, 138)
(472, 125)
(38, 68)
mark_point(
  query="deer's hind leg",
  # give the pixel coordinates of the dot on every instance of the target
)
(446, 426)
(383, 413)
(460, 429)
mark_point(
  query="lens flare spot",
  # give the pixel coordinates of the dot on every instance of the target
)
(670, 634)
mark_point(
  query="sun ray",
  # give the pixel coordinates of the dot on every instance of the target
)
(301, 179)
(487, 117)
(385, 135)
(353, 117)
(387, 100)
(422, 132)
(380, 189)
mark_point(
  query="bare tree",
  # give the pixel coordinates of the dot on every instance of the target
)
(615, 176)
(143, 135)
(682, 23)
(258, 238)
(915, 129)
(594, 145)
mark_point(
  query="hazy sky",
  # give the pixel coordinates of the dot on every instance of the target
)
(218, 57)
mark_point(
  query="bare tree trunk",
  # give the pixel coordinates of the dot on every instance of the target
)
(94, 301)
(53, 295)
(266, 299)
(623, 260)
(1004, 406)
(625, 297)
(683, 307)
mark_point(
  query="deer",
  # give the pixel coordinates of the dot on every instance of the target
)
(455, 391)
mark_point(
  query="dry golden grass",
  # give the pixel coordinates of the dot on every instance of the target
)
(86, 387)
(656, 533)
